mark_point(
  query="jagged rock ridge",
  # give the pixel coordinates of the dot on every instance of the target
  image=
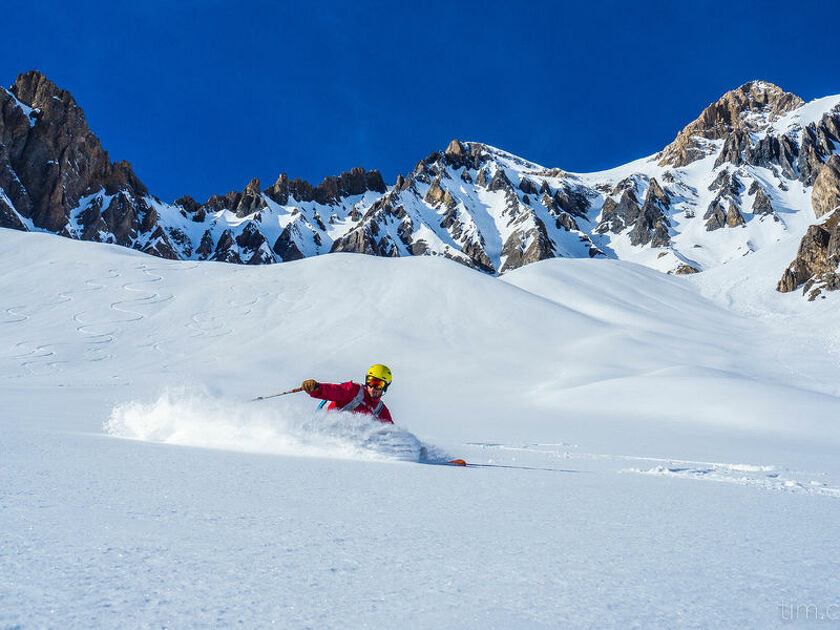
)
(736, 179)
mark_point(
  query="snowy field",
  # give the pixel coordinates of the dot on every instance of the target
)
(666, 446)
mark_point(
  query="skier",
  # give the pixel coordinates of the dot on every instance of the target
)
(354, 397)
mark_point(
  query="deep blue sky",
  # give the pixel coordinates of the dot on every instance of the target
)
(201, 96)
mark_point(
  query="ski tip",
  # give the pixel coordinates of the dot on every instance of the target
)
(456, 462)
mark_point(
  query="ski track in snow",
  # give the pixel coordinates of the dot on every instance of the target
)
(40, 358)
(18, 317)
(763, 476)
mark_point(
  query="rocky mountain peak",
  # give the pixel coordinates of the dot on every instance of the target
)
(37, 91)
(455, 151)
(748, 108)
(51, 159)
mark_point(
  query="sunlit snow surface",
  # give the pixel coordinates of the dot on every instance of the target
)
(667, 446)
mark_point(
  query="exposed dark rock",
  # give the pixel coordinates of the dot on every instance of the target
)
(612, 217)
(818, 142)
(450, 218)
(404, 230)
(550, 204)
(720, 119)
(651, 225)
(205, 249)
(90, 220)
(262, 256)
(456, 154)
(421, 173)
(825, 196)
(250, 238)
(285, 246)
(649, 222)
(355, 182)
(280, 191)
(180, 238)
(374, 182)
(448, 200)
(435, 194)
(734, 218)
(418, 248)
(500, 181)
(817, 259)
(716, 216)
(572, 201)
(773, 151)
(761, 203)
(250, 200)
(301, 190)
(50, 161)
(363, 240)
(159, 245)
(148, 219)
(479, 258)
(526, 246)
(683, 269)
(8, 217)
(226, 249)
(728, 183)
(734, 147)
(328, 191)
(188, 203)
(720, 180)
(217, 203)
(566, 222)
(811, 157)
(528, 187)
(121, 218)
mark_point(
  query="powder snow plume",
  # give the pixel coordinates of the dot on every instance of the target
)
(295, 428)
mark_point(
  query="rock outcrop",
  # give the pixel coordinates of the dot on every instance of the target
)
(816, 262)
(729, 119)
(825, 196)
(50, 159)
(648, 222)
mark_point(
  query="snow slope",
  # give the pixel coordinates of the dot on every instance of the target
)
(672, 440)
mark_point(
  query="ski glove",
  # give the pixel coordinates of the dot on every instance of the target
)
(309, 385)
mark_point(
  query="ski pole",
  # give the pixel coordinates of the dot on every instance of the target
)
(291, 391)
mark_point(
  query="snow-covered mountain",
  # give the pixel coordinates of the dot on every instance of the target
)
(738, 179)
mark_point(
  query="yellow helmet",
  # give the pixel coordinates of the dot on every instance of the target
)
(380, 372)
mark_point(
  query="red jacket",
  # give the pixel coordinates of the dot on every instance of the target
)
(343, 395)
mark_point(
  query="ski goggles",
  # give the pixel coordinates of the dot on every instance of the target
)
(376, 383)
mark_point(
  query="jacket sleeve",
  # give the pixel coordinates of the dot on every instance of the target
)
(343, 393)
(385, 415)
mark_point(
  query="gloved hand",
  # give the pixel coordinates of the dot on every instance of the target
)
(309, 385)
